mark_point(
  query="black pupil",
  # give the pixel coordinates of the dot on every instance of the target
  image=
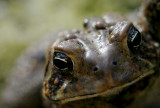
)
(133, 40)
(134, 37)
(62, 62)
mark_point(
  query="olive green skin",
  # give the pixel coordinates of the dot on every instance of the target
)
(95, 81)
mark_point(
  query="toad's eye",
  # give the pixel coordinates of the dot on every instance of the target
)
(62, 61)
(133, 40)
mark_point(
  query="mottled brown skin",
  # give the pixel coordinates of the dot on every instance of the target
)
(151, 8)
(105, 70)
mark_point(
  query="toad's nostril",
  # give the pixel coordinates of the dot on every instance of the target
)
(95, 69)
(114, 63)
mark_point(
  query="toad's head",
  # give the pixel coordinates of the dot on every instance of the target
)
(99, 61)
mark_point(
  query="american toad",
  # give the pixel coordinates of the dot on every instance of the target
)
(113, 62)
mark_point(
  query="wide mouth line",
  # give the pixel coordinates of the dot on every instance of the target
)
(107, 93)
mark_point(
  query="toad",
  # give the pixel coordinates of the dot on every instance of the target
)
(113, 62)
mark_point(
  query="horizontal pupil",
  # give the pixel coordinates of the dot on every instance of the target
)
(133, 40)
(60, 64)
(135, 37)
(136, 40)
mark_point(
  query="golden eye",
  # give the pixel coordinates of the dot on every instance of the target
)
(133, 40)
(62, 61)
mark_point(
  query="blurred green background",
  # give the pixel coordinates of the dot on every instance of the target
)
(25, 21)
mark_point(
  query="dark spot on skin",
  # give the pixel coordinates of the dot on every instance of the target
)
(114, 63)
(95, 69)
(98, 73)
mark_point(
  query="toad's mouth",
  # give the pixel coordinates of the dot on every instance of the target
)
(61, 98)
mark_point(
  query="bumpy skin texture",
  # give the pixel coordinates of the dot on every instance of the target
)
(113, 62)
(152, 13)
